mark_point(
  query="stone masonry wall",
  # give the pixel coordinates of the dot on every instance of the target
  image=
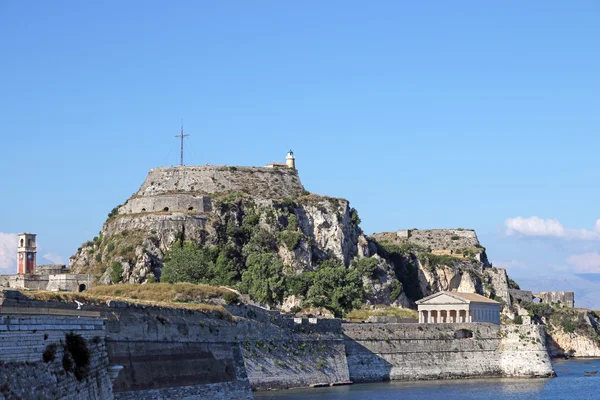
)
(378, 352)
(66, 282)
(257, 181)
(518, 296)
(567, 299)
(444, 239)
(26, 333)
(172, 353)
(177, 353)
(167, 202)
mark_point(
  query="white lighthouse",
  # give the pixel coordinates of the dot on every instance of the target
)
(290, 160)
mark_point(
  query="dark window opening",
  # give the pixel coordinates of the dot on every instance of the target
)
(166, 209)
(22, 242)
(82, 287)
(143, 210)
(190, 208)
(463, 334)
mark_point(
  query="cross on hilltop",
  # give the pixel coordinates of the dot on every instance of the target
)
(181, 135)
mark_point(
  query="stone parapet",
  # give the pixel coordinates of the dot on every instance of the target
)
(32, 350)
(210, 179)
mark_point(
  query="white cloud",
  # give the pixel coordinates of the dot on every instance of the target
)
(54, 258)
(8, 253)
(585, 263)
(539, 227)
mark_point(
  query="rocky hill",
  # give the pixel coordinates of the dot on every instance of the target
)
(428, 261)
(257, 229)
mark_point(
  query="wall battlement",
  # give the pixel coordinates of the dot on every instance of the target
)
(566, 299)
(441, 239)
(210, 179)
(174, 353)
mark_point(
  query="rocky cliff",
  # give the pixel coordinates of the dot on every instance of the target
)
(429, 261)
(243, 213)
(237, 210)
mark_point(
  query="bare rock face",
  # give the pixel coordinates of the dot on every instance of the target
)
(213, 206)
(563, 343)
(429, 261)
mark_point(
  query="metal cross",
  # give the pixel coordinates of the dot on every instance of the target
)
(181, 135)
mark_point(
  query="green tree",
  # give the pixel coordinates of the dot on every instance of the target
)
(228, 266)
(263, 279)
(189, 263)
(336, 288)
(261, 241)
(366, 266)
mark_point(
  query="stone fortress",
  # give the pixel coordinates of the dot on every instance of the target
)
(174, 353)
(189, 188)
(54, 277)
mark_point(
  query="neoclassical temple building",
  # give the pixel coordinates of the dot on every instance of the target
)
(451, 307)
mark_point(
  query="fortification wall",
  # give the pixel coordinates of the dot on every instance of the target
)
(518, 296)
(167, 202)
(170, 353)
(566, 299)
(377, 352)
(166, 226)
(444, 239)
(179, 353)
(175, 353)
(26, 333)
(53, 282)
(256, 181)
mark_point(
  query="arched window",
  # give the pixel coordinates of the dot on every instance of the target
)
(82, 287)
(166, 209)
(22, 242)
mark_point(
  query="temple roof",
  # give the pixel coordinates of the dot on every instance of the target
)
(462, 297)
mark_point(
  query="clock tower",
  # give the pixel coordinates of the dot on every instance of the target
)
(26, 253)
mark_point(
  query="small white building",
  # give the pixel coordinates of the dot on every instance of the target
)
(452, 307)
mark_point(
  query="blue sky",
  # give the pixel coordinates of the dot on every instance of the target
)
(423, 114)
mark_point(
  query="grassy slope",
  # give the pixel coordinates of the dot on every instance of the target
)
(179, 295)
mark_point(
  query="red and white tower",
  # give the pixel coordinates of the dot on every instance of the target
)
(26, 253)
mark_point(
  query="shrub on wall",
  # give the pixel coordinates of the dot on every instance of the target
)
(77, 355)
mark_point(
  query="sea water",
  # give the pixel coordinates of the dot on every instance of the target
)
(571, 383)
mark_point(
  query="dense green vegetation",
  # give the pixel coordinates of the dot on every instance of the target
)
(245, 257)
(556, 317)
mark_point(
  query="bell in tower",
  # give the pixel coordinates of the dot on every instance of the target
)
(26, 252)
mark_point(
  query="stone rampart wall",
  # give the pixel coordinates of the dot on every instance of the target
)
(519, 296)
(53, 282)
(170, 353)
(442, 239)
(25, 374)
(178, 353)
(167, 202)
(257, 181)
(378, 352)
(566, 299)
